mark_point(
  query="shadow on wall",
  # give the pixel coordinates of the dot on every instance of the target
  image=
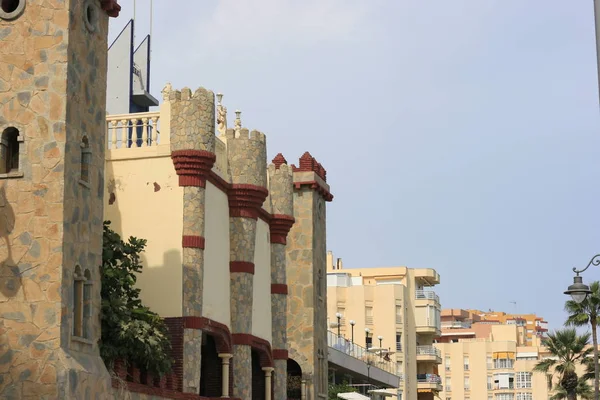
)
(158, 284)
(10, 277)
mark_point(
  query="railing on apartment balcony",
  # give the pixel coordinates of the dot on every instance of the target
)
(456, 325)
(374, 357)
(429, 378)
(133, 130)
(428, 351)
(398, 346)
(426, 295)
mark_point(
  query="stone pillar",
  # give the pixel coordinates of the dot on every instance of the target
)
(268, 373)
(246, 152)
(282, 200)
(306, 273)
(192, 150)
(225, 357)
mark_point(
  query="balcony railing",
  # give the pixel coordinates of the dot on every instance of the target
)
(428, 351)
(426, 295)
(398, 346)
(429, 378)
(373, 357)
(133, 130)
(456, 325)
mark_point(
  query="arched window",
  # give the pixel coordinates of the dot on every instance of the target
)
(82, 303)
(78, 280)
(9, 150)
(86, 159)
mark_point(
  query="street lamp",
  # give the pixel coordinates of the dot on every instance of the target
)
(367, 331)
(339, 318)
(352, 323)
(380, 339)
(579, 290)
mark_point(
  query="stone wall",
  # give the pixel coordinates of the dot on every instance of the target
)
(52, 90)
(306, 271)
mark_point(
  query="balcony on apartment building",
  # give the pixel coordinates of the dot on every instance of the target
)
(429, 354)
(429, 381)
(427, 313)
(371, 365)
(456, 324)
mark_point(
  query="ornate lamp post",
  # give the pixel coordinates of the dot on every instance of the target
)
(339, 318)
(380, 340)
(352, 323)
(579, 291)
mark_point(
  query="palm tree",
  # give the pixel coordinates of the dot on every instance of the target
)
(582, 314)
(568, 350)
(583, 391)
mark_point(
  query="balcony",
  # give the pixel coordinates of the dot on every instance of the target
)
(429, 354)
(352, 359)
(456, 325)
(431, 382)
(427, 295)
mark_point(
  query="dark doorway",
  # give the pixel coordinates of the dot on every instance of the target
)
(294, 380)
(258, 378)
(210, 368)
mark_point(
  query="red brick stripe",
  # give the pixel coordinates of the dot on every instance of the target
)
(193, 166)
(263, 347)
(279, 288)
(280, 354)
(194, 242)
(280, 226)
(246, 200)
(241, 266)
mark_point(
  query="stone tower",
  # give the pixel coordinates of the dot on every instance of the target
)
(247, 193)
(306, 267)
(52, 127)
(281, 194)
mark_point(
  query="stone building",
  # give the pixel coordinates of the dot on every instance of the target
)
(52, 127)
(217, 218)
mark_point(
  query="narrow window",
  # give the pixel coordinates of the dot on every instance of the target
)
(87, 304)
(86, 158)
(9, 150)
(78, 283)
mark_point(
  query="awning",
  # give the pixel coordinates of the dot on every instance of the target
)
(504, 354)
(352, 396)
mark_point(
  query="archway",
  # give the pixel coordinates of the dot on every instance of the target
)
(258, 377)
(294, 380)
(211, 373)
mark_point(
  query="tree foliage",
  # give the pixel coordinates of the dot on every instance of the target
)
(338, 388)
(569, 350)
(130, 331)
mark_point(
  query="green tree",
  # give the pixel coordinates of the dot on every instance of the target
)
(339, 388)
(568, 350)
(582, 314)
(130, 331)
(583, 391)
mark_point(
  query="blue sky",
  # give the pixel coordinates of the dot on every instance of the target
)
(458, 135)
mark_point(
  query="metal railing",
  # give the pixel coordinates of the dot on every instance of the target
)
(429, 378)
(456, 324)
(426, 295)
(398, 346)
(372, 357)
(428, 351)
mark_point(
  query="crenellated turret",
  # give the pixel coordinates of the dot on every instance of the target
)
(247, 155)
(281, 186)
(192, 119)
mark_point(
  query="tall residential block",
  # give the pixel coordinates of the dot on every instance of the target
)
(53, 57)
(490, 359)
(394, 312)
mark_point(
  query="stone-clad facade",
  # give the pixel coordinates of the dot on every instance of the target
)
(236, 212)
(52, 122)
(307, 264)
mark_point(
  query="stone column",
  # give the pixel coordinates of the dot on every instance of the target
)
(225, 357)
(282, 201)
(192, 150)
(268, 373)
(246, 152)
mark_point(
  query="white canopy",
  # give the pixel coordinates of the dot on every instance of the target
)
(352, 396)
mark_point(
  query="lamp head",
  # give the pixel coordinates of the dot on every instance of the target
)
(352, 322)
(578, 290)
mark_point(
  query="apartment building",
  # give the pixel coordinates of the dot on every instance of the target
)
(395, 314)
(533, 324)
(489, 359)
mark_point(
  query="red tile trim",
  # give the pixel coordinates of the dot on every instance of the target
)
(263, 347)
(193, 166)
(280, 354)
(279, 227)
(241, 266)
(194, 242)
(279, 288)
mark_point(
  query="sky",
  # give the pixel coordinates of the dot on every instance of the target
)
(457, 135)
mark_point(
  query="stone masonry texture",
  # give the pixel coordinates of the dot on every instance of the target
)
(242, 372)
(52, 89)
(192, 128)
(243, 146)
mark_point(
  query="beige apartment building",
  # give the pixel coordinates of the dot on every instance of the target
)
(395, 314)
(490, 360)
(534, 325)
